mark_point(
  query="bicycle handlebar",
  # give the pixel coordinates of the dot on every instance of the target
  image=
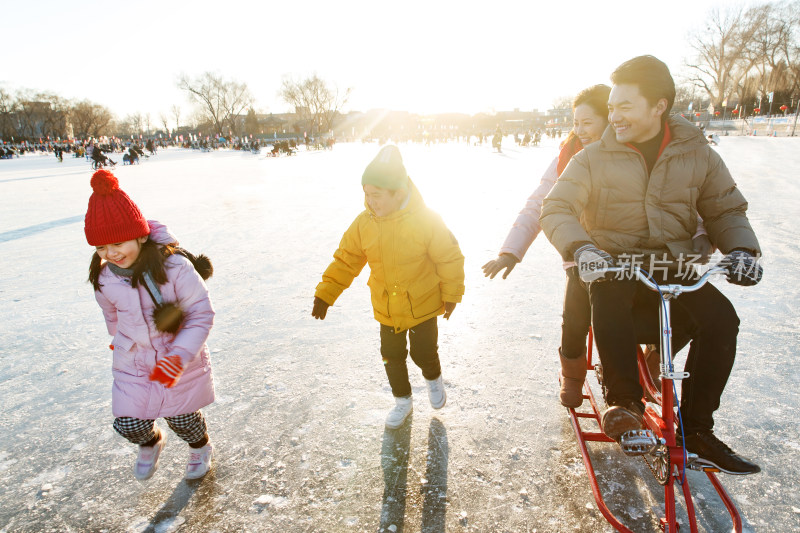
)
(674, 289)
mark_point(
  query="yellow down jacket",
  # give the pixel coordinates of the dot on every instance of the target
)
(415, 264)
(605, 196)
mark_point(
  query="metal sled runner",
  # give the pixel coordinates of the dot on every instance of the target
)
(656, 442)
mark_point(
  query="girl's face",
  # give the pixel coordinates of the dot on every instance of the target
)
(122, 254)
(588, 125)
(383, 201)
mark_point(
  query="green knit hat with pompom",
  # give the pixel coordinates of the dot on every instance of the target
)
(386, 170)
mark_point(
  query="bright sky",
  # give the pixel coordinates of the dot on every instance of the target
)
(421, 56)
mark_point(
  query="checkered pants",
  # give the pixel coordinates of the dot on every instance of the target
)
(190, 427)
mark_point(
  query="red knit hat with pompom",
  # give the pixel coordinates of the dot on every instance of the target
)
(112, 216)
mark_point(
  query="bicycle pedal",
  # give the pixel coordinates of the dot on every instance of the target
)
(701, 465)
(638, 442)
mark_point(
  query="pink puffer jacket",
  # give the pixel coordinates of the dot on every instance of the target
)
(138, 345)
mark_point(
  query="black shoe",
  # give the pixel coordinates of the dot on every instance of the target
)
(716, 453)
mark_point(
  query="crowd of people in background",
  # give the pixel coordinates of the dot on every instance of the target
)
(87, 148)
(100, 152)
(133, 151)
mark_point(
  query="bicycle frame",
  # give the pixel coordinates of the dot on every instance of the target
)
(659, 417)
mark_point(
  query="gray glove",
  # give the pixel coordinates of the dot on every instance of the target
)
(743, 269)
(592, 262)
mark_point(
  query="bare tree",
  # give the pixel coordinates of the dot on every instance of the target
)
(164, 122)
(55, 114)
(176, 114)
(220, 100)
(41, 114)
(775, 57)
(747, 92)
(769, 69)
(199, 121)
(315, 103)
(251, 126)
(124, 128)
(790, 46)
(8, 110)
(135, 122)
(724, 50)
(685, 94)
(90, 120)
(82, 118)
(28, 121)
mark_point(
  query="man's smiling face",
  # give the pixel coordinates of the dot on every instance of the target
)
(633, 118)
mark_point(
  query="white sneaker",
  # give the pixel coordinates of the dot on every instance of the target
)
(199, 462)
(147, 459)
(399, 413)
(436, 393)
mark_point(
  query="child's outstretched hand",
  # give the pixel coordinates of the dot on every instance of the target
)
(320, 308)
(449, 307)
(168, 371)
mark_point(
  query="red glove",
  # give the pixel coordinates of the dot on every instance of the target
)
(168, 371)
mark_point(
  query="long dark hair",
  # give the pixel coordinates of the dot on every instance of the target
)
(151, 259)
(595, 97)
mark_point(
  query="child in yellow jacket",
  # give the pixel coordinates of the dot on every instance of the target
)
(416, 274)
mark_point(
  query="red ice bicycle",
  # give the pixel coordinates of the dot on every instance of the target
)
(655, 442)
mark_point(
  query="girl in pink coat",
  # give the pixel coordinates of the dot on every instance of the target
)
(157, 309)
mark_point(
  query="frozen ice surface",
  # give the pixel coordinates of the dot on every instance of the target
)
(298, 428)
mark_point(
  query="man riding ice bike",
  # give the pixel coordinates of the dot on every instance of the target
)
(635, 196)
(99, 159)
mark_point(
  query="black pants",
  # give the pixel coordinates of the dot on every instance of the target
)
(625, 313)
(576, 316)
(424, 352)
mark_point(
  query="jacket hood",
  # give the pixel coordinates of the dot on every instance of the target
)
(160, 234)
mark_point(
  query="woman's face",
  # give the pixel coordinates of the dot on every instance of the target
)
(588, 125)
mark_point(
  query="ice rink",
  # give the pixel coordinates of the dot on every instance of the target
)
(298, 422)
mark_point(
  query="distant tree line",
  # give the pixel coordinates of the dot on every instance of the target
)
(220, 102)
(315, 101)
(222, 107)
(28, 114)
(745, 55)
